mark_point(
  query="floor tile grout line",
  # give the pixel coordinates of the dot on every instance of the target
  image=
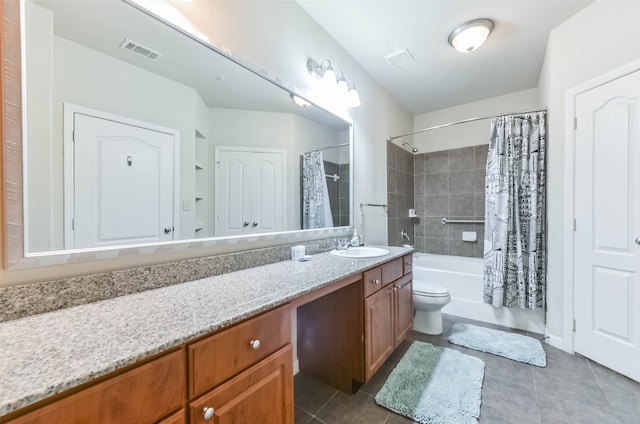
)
(324, 405)
(604, 393)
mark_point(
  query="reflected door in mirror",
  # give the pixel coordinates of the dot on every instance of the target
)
(250, 194)
(121, 188)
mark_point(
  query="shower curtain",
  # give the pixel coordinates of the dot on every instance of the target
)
(316, 210)
(514, 241)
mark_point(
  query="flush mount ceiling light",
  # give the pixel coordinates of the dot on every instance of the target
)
(470, 35)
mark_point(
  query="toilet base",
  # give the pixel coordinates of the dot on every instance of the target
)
(428, 322)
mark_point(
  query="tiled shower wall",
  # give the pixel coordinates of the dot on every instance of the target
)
(338, 192)
(449, 184)
(400, 194)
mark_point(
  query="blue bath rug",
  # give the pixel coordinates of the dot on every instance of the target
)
(509, 345)
(434, 385)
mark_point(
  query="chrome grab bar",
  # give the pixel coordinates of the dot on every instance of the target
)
(462, 221)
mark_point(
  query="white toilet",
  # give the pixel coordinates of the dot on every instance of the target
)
(428, 300)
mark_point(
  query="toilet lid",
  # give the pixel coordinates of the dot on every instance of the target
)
(430, 289)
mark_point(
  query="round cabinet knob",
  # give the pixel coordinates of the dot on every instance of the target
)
(255, 344)
(167, 230)
(207, 412)
(245, 224)
(638, 240)
(376, 281)
(255, 224)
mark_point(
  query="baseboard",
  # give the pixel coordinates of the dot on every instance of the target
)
(555, 341)
(296, 366)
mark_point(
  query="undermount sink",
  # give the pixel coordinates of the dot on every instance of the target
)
(361, 252)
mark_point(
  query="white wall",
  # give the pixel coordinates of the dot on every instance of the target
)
(471, 133)
(603, 36)
(39, 74)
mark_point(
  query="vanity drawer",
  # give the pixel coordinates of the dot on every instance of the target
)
(372, 281)
(391, 271)
(142, 395)
(408, 263)
(225, 354)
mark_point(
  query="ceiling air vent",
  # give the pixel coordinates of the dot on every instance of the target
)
(399, 58)
(139, 49)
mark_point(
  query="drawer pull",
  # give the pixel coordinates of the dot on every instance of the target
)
(375, 281)
(207, 412)
(255, 344)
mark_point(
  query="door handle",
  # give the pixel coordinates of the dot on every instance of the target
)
(167, 230)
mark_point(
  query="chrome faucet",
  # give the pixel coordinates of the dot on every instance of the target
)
(405, 238)
(343, 244)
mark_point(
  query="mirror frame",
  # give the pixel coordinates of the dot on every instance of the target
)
(12, 191)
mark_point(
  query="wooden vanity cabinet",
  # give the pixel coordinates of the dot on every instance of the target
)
(144, 394)
(388, 313)
(244, 374)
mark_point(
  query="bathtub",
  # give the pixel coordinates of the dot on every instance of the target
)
(464, 279)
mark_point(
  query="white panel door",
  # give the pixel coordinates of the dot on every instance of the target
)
(607, 212)
(250, 196)
(267, 199)
(232, 200)
(123, 183)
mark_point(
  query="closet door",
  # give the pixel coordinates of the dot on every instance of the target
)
(607, 236)
(250, 196)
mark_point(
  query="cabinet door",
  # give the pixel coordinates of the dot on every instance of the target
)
(403, 307)
(142, 395)
(263, 394)
(379, 325)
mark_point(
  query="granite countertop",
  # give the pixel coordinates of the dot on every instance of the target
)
(46, 354)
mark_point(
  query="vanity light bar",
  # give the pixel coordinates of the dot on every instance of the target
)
(139, 49)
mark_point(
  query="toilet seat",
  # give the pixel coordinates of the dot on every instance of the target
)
(424, 288)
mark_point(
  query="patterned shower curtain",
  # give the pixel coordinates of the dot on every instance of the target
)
(316, 210)
(514, 241)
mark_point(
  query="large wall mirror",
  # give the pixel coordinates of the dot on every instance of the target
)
(137, 133)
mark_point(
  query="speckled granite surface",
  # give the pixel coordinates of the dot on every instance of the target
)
(32, 299)
(45, 354)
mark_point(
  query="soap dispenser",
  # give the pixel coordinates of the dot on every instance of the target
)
(355, 239)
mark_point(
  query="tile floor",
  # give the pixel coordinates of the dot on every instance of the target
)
(571, 389)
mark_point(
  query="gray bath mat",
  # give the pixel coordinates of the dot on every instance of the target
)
(433, 385)
(509, 345)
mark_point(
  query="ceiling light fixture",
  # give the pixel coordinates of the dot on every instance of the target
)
(470, 35)
(323, 71)
(353, 98)
(335, 84)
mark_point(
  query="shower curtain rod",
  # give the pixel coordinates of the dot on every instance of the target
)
(330, 147)
(464, 121)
